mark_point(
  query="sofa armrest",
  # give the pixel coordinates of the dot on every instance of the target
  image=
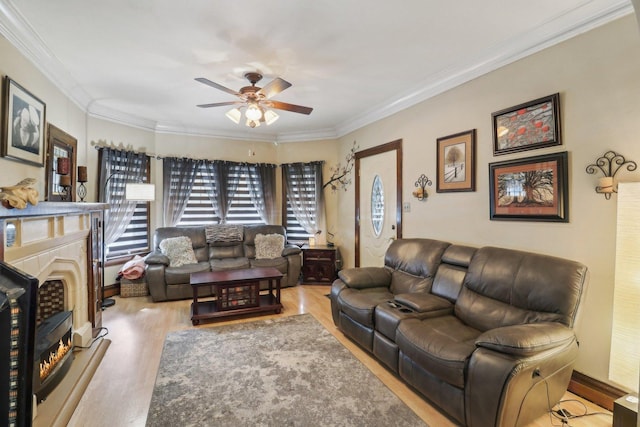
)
(365, 277)
(291, 250)
(425, 303)
(526, 340)
(156, 258)
(156, 263)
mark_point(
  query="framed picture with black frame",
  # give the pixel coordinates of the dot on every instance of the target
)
(534, 124)
(23, 125)
(530, 189)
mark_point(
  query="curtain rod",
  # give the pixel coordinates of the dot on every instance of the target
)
(121, 147)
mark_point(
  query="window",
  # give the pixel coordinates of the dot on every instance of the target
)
(199, 210)
(127, 222)
(302, 200)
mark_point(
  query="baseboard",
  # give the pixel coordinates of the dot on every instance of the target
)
(595, 391)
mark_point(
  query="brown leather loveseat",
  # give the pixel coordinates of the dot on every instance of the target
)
(218, 251)
(486, 334)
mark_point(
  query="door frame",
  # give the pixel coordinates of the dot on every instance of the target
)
(389, 146)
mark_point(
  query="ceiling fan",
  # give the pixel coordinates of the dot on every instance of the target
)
(256, 101)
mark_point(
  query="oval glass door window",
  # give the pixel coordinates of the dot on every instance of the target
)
(377, 205)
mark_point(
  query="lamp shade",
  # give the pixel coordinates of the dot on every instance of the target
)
(624, 361)
(270, 117)
(140, 192)
(234, 115)
(253, 113)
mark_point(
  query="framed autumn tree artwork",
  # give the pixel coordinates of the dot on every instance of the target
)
(530, 189)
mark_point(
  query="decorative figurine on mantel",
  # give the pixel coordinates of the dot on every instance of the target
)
(17, 196)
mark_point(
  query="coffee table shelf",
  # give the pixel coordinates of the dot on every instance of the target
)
(237, 293)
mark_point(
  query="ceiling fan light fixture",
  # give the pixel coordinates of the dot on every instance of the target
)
(252, 123)
(253, 112)
(270, 116)
(234, 115)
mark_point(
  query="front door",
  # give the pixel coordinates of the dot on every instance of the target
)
(378, 202)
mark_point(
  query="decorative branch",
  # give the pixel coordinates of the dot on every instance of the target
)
(340, 175)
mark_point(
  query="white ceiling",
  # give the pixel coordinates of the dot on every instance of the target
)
(354, 62)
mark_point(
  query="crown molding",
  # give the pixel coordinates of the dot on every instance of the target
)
(550, 33)
(15, 28)
(589, 15)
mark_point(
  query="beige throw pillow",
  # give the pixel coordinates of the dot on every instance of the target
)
(179, 250)
(269, 246)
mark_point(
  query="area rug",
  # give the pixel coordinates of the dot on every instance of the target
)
(288, 371)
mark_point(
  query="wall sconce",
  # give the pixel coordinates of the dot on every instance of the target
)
(421, 192)
(609, 164)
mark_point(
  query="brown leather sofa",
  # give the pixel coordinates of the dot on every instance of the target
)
(486, 334)
(172, 283)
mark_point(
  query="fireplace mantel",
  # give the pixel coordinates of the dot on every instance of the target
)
(52, 208)
(45, 233)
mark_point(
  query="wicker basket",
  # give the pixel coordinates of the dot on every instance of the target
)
(133, 288)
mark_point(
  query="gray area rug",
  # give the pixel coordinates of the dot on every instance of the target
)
(288, 371)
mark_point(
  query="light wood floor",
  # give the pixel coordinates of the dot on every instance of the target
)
(120, 392)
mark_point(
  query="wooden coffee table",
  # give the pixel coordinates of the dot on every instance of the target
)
(236, 292)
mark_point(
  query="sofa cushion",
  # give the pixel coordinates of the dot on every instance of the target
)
(507, 287)
(179, 250)
(360, 304)
(441, 345)
(269, 246)
(181, 275)
(224, 233)
(218, 264)
(402, 283)
(279, 263)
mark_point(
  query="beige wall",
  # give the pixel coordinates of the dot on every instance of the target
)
(596, 75)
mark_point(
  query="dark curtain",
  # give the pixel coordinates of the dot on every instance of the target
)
(178, 178)
(262, 186)
(303, 184)
(117, 168)
(224, 177)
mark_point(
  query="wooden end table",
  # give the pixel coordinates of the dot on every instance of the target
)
(319, 264)
(237, 292)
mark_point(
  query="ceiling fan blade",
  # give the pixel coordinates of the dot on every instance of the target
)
(220, 104)
(217, 86)
(274, 87)
(291, 107)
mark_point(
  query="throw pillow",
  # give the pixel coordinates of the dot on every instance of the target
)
(269, 246)
(179, 250)
(224, 233)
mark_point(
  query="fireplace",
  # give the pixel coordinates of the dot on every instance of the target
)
(17, 331)
(59, 247)
(52, 354)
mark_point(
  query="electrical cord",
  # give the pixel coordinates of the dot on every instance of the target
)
(103, 333)
(560, 413)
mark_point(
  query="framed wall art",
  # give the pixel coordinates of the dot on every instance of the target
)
(530, 189)
(23, 125)
(527, 126)
(61, 175)
(456, 168)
